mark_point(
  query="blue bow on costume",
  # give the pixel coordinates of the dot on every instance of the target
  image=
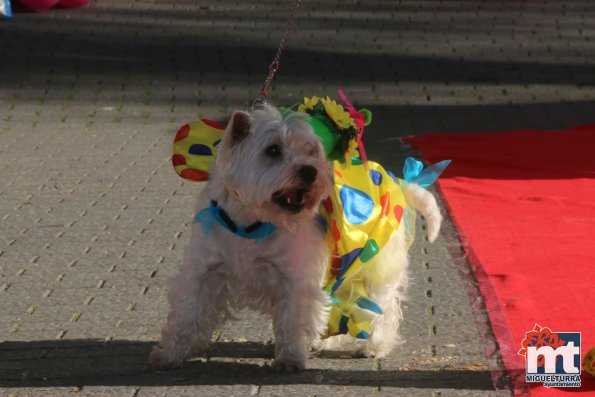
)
(214, 213)
(414, 172)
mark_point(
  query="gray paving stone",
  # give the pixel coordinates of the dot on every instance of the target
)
(94, 220)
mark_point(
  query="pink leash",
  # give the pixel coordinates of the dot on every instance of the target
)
(358, 117)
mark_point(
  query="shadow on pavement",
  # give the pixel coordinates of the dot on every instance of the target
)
(168, 48)
(95, 362)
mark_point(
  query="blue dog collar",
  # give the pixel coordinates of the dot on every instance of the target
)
(214, 213)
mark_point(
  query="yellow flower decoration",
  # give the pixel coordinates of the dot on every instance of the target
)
(350, 154)
(337, 113)
(308, 104)
(334, 125)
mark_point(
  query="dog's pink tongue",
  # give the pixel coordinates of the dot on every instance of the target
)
(292, 196)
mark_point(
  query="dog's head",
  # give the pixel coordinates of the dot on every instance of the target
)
(274, 164)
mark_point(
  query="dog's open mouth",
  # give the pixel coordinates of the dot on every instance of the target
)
(291, 199)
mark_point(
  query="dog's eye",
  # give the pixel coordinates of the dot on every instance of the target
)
(273, 151)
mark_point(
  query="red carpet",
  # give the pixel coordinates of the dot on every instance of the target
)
(524, 205)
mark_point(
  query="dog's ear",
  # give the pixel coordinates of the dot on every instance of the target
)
(239, 127)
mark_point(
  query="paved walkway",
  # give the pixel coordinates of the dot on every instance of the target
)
(93, 219)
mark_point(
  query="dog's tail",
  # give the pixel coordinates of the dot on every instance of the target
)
(425, 202)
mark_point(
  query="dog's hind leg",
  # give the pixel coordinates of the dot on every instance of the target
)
(387, 288)
(334, 342)
(385, 329)
(198, 303)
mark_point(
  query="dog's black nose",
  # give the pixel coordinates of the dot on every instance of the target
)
(308, 173)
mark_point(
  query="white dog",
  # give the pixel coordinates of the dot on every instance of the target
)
(256, 243)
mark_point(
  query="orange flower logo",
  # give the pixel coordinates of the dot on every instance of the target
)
(540, 336)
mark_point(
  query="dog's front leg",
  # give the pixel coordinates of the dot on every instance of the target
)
(198, 303)
(299, 318)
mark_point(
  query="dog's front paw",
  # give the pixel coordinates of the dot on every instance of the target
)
(367, 352)
(162, 359)
(288, 365)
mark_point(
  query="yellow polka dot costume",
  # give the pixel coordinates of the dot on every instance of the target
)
(194, 149)
(365, 208)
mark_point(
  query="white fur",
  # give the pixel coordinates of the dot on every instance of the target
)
(281, 275)
(426, 203)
